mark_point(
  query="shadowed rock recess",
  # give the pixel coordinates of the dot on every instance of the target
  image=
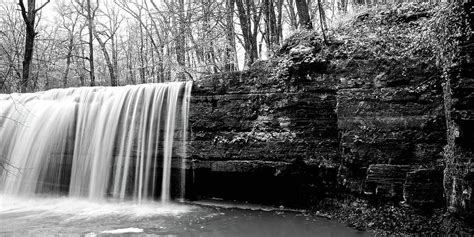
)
(366, 115)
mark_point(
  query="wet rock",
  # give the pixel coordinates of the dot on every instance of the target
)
(422, 188)
(399, 126)
(369, 107)
(386, 180)
(459, 104)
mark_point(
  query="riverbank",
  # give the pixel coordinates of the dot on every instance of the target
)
(394, 219)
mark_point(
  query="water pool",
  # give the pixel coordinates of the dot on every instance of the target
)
(68, 216)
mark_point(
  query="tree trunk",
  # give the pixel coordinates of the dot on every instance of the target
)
(161, 68)
(292, 14)
(142, 57)
(68, 59)
(90, 20)
(29, 19)
(230, 53)
(128, 55)
(181, 41)
(303, 14)
(271, 28)
(115, 61)
(279, 23)
(82, 63)
(108, 61)
(28, 56)
(256, 13)
(250, 40)
(322, 19)
(154, 75)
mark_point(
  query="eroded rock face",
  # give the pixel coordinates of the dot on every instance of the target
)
(422, 188)
(388, 126)
(459, 104)
(276, 145)
(353, 117)
(284, 140)
(283, 143)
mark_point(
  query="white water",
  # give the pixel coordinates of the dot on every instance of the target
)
(123, 231)
(93, 142)
(72, 209)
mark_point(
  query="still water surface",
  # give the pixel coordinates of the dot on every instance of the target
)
(67, 216)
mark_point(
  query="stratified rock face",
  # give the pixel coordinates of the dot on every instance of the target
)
(389, 102)
(459, 103)
(388, 126)
(386, 180)
(365, 114)
(278, 144)
(272, 143)
(422, 187)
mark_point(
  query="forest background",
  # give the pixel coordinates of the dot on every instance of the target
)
(62, 43)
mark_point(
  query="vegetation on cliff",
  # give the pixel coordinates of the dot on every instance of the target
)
(396, 57)
(379, 47)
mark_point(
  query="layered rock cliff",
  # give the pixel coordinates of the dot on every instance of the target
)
(365, 113)
(458, 78)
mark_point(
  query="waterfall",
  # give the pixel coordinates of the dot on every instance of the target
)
(95, 142)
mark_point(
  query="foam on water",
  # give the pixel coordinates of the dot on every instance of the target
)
(123, 231)
(73, 209)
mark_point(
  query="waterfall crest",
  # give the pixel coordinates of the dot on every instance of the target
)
(94, 142)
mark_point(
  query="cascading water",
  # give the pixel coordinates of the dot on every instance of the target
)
(98, 144)
(94, 142)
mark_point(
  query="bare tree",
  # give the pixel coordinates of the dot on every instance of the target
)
(69, 22)
(179, 20)
(109, 32)
(81, 58)
(130, 70)
(273, 27)
(29, 17)
(47, 55)
(88, 11)
(291, 12)
(11, 48)
(249, 17)
(152, 26)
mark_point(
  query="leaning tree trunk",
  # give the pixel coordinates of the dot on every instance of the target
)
(108, 60)
(322, 19)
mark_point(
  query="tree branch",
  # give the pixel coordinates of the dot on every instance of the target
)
(41, 7)
(23, 10)
(81, 57)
